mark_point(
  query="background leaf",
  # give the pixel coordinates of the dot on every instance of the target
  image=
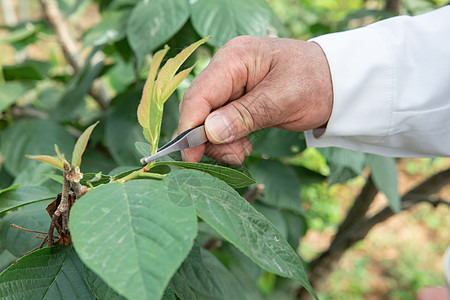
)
(32, 136)
(122, 130)
(225, 19)
(133, 231)
(10, 92)
(152, 23)
(23, 195)
(384, 175)
(111, 29)
(32, 216)
(281, 184)
(63, 280)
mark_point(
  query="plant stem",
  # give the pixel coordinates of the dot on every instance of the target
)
(63, 207)
(142, 173)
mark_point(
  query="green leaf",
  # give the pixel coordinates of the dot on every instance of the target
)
(95, 179)
(281, 184)
(111, 29)
(122, 130)
(49, 273)
(225, 19)
(21, 33)
(344, 164)
(232, 177)
(28, 70)
(32, 216)
(384, 175)
(100, 289)
(81, 144)
(153, 22)
(10, 92)
(238, 222)
(32, 136)
(10, 188)
(77, 88)
(133, 231)
(23, 195)
(277, 143)
(206, 278)
(51, 160)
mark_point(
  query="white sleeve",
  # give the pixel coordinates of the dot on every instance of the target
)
(391, 84)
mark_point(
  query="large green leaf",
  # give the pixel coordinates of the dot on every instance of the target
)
(23, 195)
(281, 184)
(133, 236)
(32, 136)
(153, 22)
(385, 178)
(225, 19)
(204, 276)
(238, 222)
(34, 217)
(49, 273)
(10, 92)
(100, 289)
(232, 177)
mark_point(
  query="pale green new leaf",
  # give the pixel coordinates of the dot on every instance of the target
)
(147, 102)
(172, 65)
(81, 144)
(238, 222)
(49, 273)
(174, 83)
(133, 236)
(51, 160)
(61, 156)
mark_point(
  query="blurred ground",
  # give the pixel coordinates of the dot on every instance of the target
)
(399, 256)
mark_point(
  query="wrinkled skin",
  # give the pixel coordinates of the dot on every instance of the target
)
(252, 83)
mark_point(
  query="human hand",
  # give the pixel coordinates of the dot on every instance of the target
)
(252, 83)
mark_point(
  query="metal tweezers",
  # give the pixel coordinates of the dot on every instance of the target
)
(187, 139)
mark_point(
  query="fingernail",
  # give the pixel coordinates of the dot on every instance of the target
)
(231, 159)
(183, 156)
(219, 128)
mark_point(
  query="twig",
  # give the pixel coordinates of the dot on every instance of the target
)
(27, 230)
(63, 207)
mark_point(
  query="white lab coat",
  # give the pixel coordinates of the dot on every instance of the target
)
(391, 83)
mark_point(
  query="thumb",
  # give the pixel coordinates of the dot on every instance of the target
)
(238, 118)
